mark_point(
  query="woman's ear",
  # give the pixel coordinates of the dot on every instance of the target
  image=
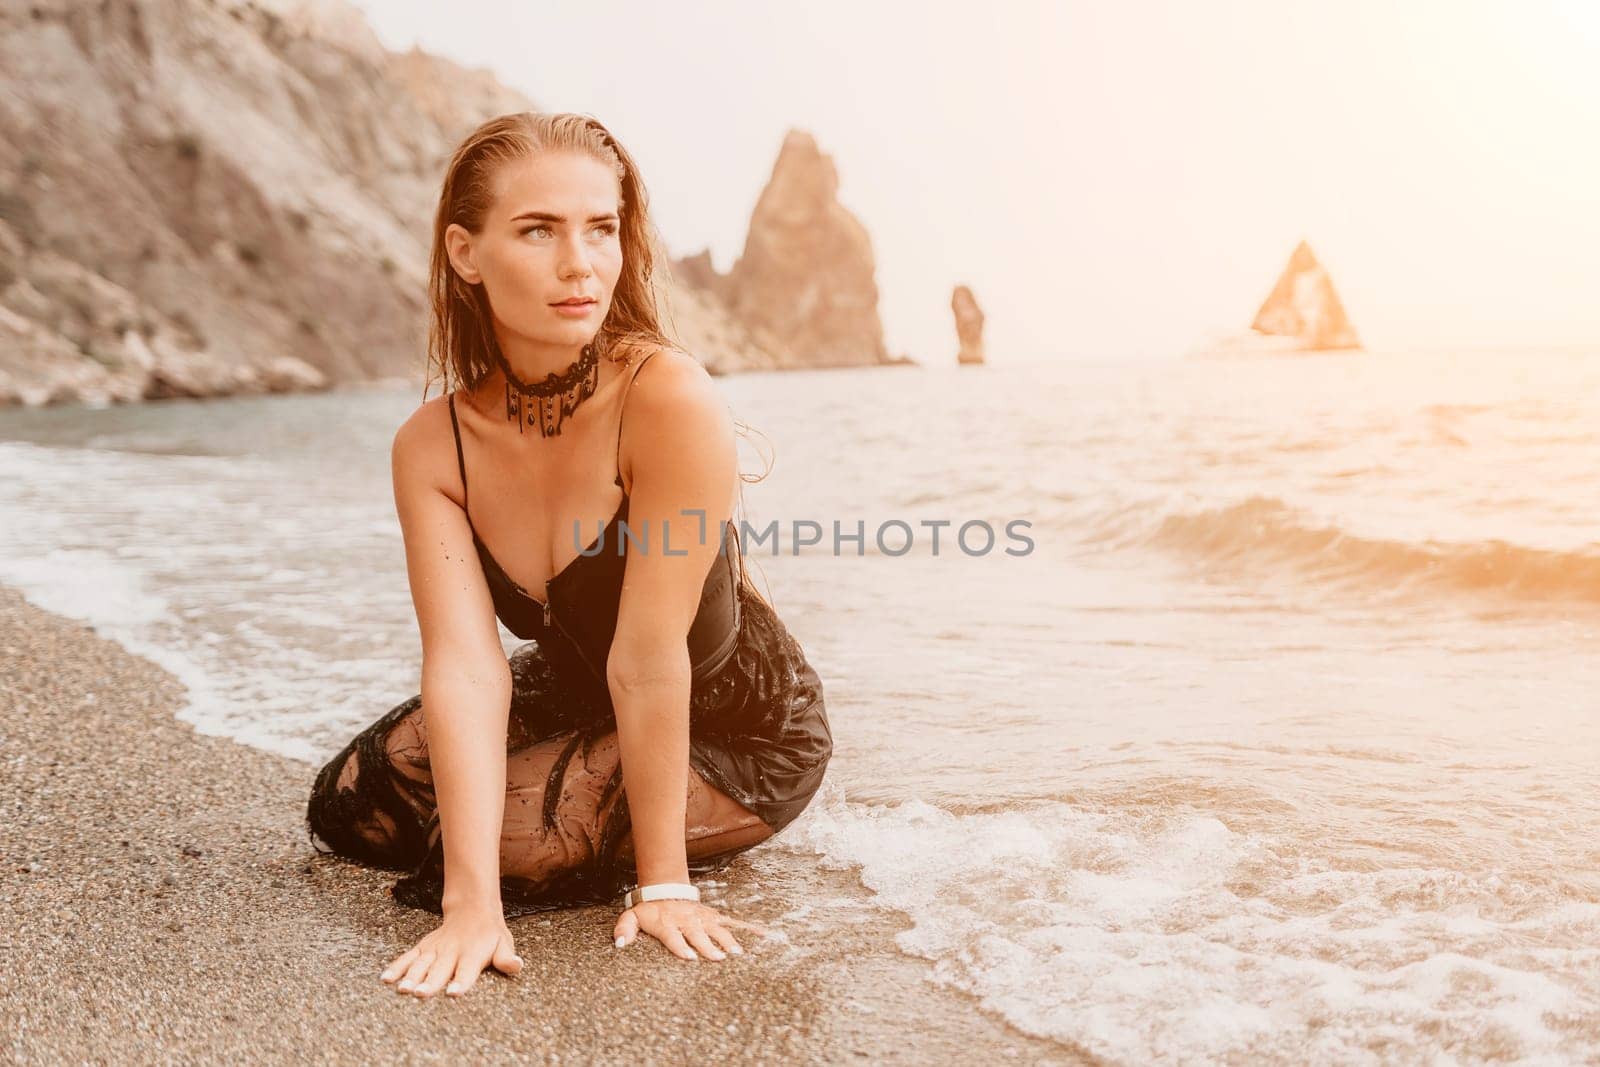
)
(458, 246)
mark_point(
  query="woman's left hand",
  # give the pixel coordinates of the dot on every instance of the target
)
(686, 927)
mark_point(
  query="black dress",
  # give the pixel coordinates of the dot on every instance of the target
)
(758, 731)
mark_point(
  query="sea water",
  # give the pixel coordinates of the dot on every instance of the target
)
(1275, 734)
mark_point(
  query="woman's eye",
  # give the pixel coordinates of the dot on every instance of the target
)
(606, 229)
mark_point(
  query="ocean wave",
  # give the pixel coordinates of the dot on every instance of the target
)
(1263, 530)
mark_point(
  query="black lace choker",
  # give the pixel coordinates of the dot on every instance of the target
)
(554, 398)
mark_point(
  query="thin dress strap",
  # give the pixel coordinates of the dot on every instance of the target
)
(461, 462)
(622, 409)
(739, 561)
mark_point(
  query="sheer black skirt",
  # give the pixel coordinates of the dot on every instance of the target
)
(758, 734)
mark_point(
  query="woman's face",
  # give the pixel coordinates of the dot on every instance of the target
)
(551, 233)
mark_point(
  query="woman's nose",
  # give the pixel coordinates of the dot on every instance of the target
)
(574, 260)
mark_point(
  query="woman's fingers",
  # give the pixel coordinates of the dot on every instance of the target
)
(468, 967)
(695, 934)
(444, 965)
(505, 958)
(398, 967)
(627, 926)
(416, 972)
(672, 937)
(728, 920)
(724, 937)
(453, 957)
(686, 933)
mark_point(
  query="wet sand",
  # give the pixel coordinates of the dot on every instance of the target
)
(159, 902)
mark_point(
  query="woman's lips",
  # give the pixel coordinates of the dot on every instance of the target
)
(574, 311)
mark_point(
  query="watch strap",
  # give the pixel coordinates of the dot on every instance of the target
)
(660, 891)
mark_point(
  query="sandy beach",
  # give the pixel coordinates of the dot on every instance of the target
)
(159, 903)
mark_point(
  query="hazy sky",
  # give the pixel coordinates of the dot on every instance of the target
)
(1111, 178)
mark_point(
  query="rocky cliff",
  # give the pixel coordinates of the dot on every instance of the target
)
(201, 197)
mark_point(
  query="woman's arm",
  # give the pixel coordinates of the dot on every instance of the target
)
(466, 695)
(685, 460)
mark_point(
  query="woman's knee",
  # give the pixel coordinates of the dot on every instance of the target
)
(330, 815)
(369, 801)
(716, 824)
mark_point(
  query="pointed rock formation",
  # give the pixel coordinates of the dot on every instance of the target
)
(804, 287)
(1301, 314)
(1304, 305)
(969, 325)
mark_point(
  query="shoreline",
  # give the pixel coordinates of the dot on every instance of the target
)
(159, 900)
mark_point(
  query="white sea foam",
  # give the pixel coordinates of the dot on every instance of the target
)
(271, 655)
(85, 584)
(1179, 940)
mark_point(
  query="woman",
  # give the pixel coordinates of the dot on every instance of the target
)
(500, 787)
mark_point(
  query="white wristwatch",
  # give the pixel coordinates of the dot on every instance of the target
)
(660, 891)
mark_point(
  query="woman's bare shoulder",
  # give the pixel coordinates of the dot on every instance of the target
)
(424, 452)
(675, 394)
(672, 369)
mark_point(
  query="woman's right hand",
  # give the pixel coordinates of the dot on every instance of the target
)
(456, 953)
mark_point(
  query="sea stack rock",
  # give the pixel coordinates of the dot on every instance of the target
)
(804, 285)
(969, 325)
(1303, 305)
